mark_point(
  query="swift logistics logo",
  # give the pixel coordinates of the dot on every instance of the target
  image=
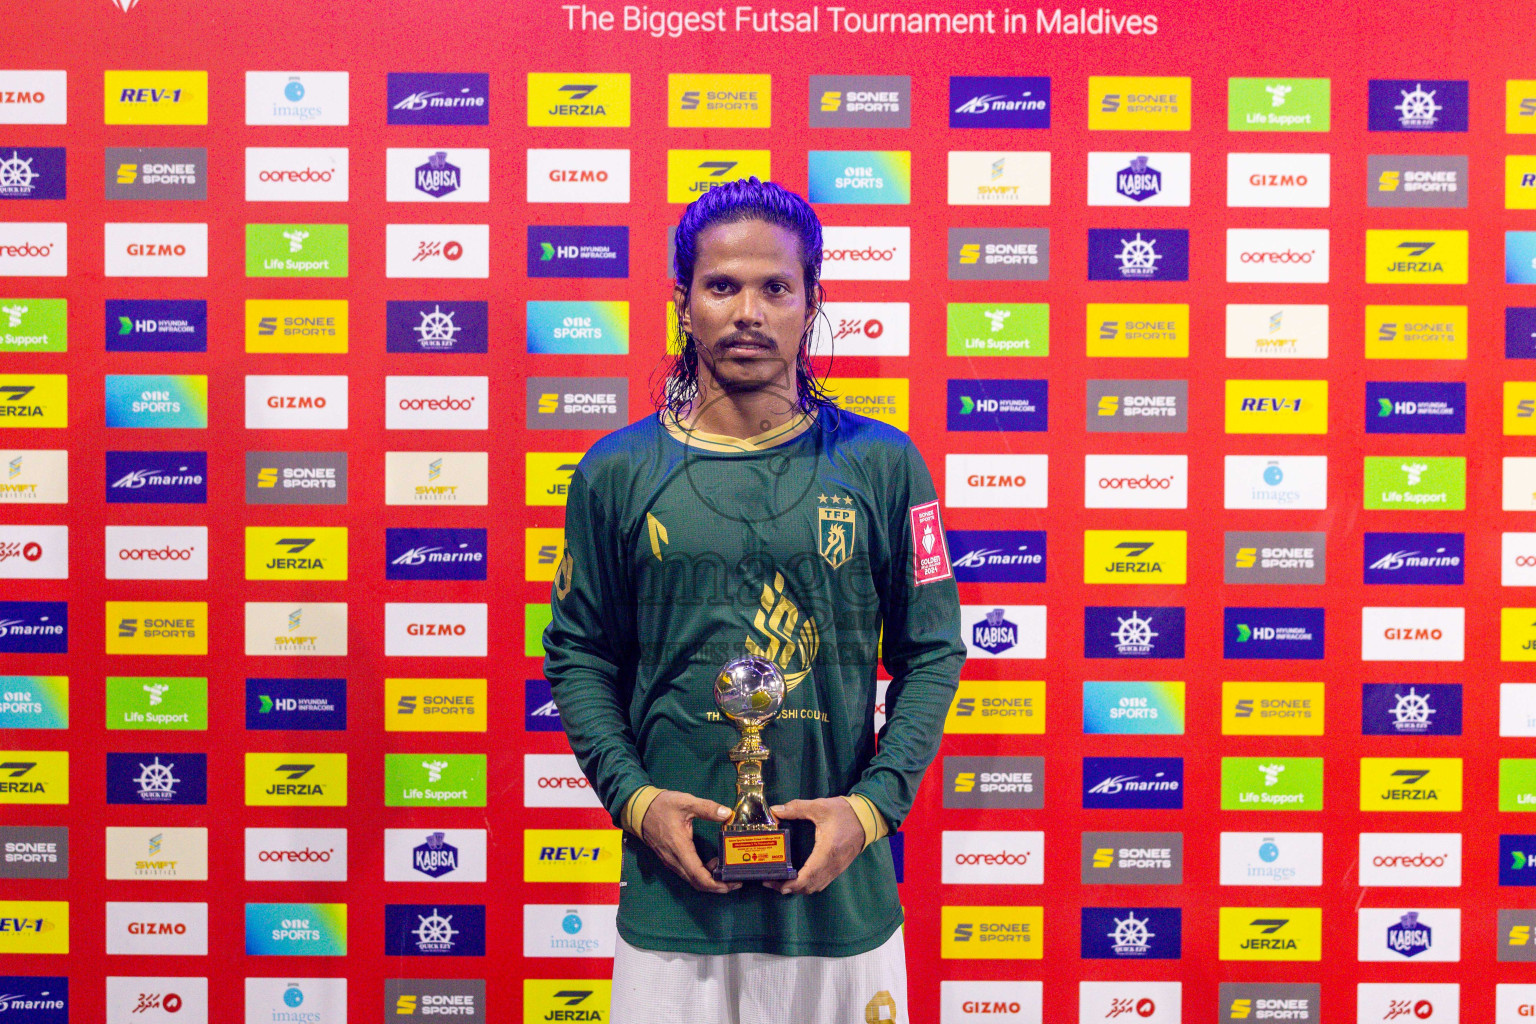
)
(459, 98)
(860, 101)
(719, 101)
(1143, 255)
(1272, 633)
(1418, 709)
(1139, 632)
(1277, 331)
(295, 780)
(557, 100)
(1131, 933)
(157, 779)
(296, 704)
(1145, 709)
(449, 326)
(1270, 933)
(1284, 558)
(999, 102)
(34, 476)
(1417, 105)
(1125, 783)
(436, 478)
(578, 251)
(1271, 783)
(1132, 858)
(999, 178)
(1127, 103)
(156, 325)
(994, 782)
(1422, 559)
(1416, 407)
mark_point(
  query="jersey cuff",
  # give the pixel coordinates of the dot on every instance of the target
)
(875, 826)
(633, 815)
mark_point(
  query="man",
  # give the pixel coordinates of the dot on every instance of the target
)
(752, 516)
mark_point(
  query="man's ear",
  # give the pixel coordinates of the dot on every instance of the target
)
(680, 303)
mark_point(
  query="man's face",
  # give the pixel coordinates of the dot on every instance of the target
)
(747, 307)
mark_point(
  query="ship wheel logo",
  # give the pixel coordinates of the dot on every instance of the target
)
(1138, 256)
(1134, 635)
(1131, 936)
(435, 932)
(437, 326)
(155, 780)
(16, 173)
(1418, 107)
(1411, 712)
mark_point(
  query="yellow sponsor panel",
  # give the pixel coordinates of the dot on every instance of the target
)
(34, 776)
(1135, 556)
(1519, 182)
(547, 476)
(1270, 933)
(32, 400)
(157, 627)
(1415, 257)
(887, 399)
(1277, 407)
(156, 97)
(692, 172)
(718, 101)
(992, 933)
(1410, 783)
(572, 854)
(1272, 709)
(33, 926)
(1517, 634)
(1138, 103)
(578, 100)
(543, 547)
(1520, 106)
(314, 326)
(434, 705)
(295, 552)
(1122, 330)
(1415, 332)
(300, 779)
(993, 707)
(573, 999)
(1519, 408)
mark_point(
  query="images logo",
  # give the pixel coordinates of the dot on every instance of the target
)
(1138, 104)
(1138, 331)
(1272, 633)
(1131, 933)
(1272, 858)
(440, 98)
(155, 97)
(860, 101)
(590, 100)
(1128, 254)
(994, 102)
(1118, 632)
(1417, 105)
(296, 250)
(1278, 104)
(1114, 783)
(296, 98)
(159, 779)
(578, 251)
(1270, 933)
(1415, 257)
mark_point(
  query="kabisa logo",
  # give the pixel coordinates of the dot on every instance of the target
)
(157, 325)
(998, 405)
(1118, 632)
(586, 100)
(36, 999)
(1139, 181)
(994, 102)
(157, 778)
(1016, 631)
(1408, 937)
(437, 177)
(1417, 105)
(169, 478)
(998, 556)
(439, 98)
(1414, 407)
(1131, 933)
(994, 634)
(414, 929)
(1415, 558)
(1268, 633)
(447, 326)
(307, 704)
(1114, 783)
(435, 857)
(578, 251)
(34, 627)
(1129, 254)
(860, 101)
(32, 173)
(438, 554)
(539, 711)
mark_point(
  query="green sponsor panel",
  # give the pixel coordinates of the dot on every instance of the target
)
(434, 780)
(999, 329)
(1278, 104)
(1420, 482)
(34, 325)
(1517, 784)
(296, 250)
(157, 702)
(1271, 783)
(535, 618)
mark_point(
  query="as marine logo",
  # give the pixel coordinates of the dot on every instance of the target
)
(836, 528)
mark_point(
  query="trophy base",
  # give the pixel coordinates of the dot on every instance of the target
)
(754, 857)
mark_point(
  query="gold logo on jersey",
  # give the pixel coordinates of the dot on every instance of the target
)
(563, 575)
(835, 530)
(658, 534)
(783, 634)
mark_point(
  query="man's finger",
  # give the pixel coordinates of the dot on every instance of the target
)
(706, 809)
(692, 869)
(800, 809)
(808, 880)
(714, 862)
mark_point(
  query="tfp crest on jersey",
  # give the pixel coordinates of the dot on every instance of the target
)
(835, 530)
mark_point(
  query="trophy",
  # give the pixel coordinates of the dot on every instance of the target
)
(753, 845)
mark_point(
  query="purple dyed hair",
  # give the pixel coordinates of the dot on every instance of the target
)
(734, 201)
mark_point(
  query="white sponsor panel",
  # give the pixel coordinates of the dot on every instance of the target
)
(1519, 483)
(170, 854)
(311, 1000)
(303, 628)
(418, 630)
(1138, 179)
(1407, 1003)
(437, 403)
(34, 552)
(157, 929)
(1136, 481)
(34, 249)
(296, 175)
(997, 178)
(295, 403)
(881, 686)
(157, 1001)
(1518, 560)
(296, 855)
(1409, 935)
(437, 250)
(436, 478)
(990, 623)
(567, 929)
(439, 175)
(1517, 709)
(1281, 482)
(862, 329)
(1412, 634)
(1278, 179)
(578, 176)
(34, 476)
(1514, 1004)
(995, 481)
(866, 254)
(157, 552)
(994, 858)
(155, 250)
(1131, 1002)
(1271, 858)
(1410, 858)
(434, 855)
(991, 1002)
(556, 780)
(1277, 331)
(296, 97)
(34, 97)
(1263, 255)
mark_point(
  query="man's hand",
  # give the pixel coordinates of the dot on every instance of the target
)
(668, 829)
(839, 839)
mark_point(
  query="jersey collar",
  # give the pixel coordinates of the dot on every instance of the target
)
(706, 441)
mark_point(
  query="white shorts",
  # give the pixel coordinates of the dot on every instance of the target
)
(654, 987)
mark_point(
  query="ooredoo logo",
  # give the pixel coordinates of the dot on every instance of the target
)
(297, 175)
(1136, 481)
(866, 254)
(1263, 255)
(1410, 859)
(296, 854)
(993, 858)
(436, 403)
(555, 780)
(33, 249)
(157, 553)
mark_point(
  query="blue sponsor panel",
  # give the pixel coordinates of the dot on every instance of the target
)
(988, 101)
(1517, 860)
(1124, 783)
(1417, 105)
(1415, 407)
(34, 627)
(1520, 332)
(434, 929)
(34, 999)
(1520, 257)
(1425, 559)
(32, 172)
(898, 842)
(1138, 254)
(298, 704)
(1404, 709)
(1133, 632)
(1131, 933)
(539, 711)
(439, 98)
(418, 554)
(556, 251)
(450, 326)
(157, 478)
(157, 325)
(997, 556)
(157, 779)
(997, 405)
(1272, 633)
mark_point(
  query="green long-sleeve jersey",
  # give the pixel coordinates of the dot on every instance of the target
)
(685, 550)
